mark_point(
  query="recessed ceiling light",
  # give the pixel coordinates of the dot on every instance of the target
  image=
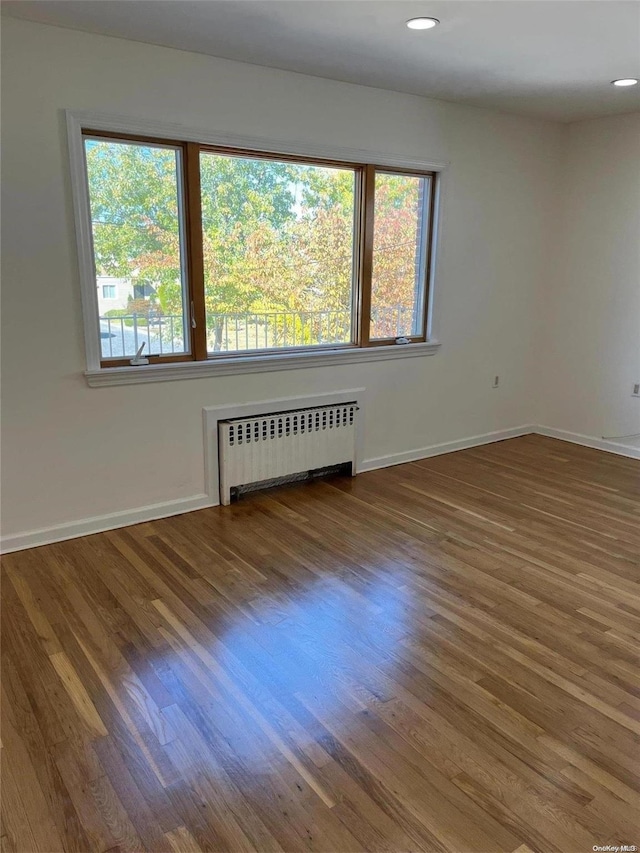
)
(625, 81)
(422, 23)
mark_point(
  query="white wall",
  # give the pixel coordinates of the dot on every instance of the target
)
(590, 313)
(70, 451)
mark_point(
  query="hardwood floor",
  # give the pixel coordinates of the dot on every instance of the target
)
(441, 656)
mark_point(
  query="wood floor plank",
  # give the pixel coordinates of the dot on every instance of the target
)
(182, 841)
(27, 818)
(441, 656)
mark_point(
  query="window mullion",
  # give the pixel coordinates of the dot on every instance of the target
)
(367, 206)
(195, 257)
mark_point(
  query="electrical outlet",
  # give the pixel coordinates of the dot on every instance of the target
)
(496, 382)
(636, 390)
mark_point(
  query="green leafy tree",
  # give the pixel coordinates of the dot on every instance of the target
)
(133, 192)
(277, 237)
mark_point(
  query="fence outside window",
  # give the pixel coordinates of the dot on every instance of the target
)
(240, 332)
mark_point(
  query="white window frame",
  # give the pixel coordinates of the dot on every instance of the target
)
(78, 121)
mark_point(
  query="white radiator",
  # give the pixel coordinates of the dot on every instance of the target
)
(254, 450)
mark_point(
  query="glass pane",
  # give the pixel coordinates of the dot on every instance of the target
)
(135, 217)
(278, 253)
(400, 242)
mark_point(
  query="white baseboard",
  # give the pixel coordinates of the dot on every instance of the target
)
(124, 518)
(589, 441)
(445, 447)
(100, 523)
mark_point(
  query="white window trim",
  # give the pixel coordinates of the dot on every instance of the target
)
(255, 364)
(97, 375)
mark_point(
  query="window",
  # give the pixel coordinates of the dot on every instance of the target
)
(400, 256)
(143, 290)
(135, 196)
(220, 253)
(278, 248)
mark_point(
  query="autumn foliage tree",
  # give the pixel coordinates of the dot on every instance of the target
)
(277, 237)
(396, 254)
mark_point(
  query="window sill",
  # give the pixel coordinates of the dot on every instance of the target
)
(254, 364)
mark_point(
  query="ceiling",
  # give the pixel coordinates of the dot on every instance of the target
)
(552, 59)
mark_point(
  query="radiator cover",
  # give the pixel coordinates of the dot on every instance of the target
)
(267, 447)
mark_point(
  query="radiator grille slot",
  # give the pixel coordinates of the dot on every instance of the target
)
(291, 423)
(278, 445)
